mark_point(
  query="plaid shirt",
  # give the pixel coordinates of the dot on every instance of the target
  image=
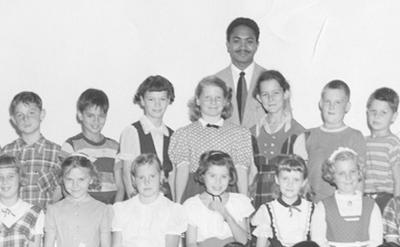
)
(391, 218)
(40, 162)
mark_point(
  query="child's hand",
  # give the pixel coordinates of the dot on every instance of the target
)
(216, 205)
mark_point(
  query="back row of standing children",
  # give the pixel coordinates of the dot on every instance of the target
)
(181, 153)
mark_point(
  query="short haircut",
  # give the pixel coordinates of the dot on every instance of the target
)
(194, 109)
(146, 159)
(271, 75)
(337, 84)
(25, 97)
(154, 83)
(234, 244)
(243, 21)
(385, 94)
(92, 97)
(328, 167)
(290, 162)
(80, 160)
(7, 161)
(215, 158)
(306, 244)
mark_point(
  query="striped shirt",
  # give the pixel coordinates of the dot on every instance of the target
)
(105, 152)
(40, 162)
(382, 154)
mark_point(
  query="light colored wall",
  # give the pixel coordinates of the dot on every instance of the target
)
(60, 48)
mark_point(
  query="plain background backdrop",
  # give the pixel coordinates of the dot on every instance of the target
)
(60, 48)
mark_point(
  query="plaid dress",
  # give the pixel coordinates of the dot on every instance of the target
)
(20, 233)
(269, 146)
(40, 162)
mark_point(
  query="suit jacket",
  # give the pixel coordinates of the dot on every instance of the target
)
(253, 110)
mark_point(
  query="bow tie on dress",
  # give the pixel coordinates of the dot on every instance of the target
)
(212, 126)
(214, 196)
(291, 207)
(7, 211)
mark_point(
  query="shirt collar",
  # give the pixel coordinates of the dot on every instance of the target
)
(248, 71)
(15, 210)
(333, 130)
(148, 127)
(286, 124)
(38, 145)
(218, 123)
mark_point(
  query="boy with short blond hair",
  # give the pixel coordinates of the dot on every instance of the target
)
(317, 144)
(37, 155)
(92, 108)
(382, 171)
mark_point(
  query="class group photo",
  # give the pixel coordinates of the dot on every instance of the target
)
(208, 123)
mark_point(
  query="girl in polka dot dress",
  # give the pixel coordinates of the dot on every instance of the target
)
(275, 132)
(78, 220)
(209, 131)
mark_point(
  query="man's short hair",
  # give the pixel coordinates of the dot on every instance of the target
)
(243, 21)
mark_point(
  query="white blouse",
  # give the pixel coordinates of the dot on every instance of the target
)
(210, 223)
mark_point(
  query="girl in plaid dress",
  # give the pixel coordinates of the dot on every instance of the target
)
(21, 223)
(275, 132)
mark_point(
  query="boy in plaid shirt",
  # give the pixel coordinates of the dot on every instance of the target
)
(38, 156)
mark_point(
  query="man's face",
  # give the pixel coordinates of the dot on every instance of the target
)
(242, 45)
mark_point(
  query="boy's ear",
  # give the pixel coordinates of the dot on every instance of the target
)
(304, 183)
(12, 119)
(42, 114)
(258, 98)
(320, 104)
(348, 106)
(196, 100)
(276, 179)
(394, 117)
(79, 116)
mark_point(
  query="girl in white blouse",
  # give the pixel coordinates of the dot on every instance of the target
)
(217, 217)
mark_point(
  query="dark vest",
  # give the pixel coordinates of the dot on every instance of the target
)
(354, 229)
(147, 146)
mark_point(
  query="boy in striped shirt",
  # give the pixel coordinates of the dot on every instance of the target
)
(382, 171)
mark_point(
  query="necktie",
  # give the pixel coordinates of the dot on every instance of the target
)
(212, 126)
(241, 95)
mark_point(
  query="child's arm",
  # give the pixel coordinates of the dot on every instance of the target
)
(105, 239)
(396, 179)
(191, 236)
(37, 239)
(238, 229)
(318, 226)
(127, 178)
(262, 242)
(49, 239)
(172, 240)
(243, 181)
(118, 181)
(117, 239)
(375, 229)
(181, 179)
(171, 182)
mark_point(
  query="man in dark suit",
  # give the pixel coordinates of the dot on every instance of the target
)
(241, 75)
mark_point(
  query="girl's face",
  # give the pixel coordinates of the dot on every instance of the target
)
(211, 101)
(155, 104)
(272, 96)
(216, 179)
(346, 176)
(77, 182)
(290, 184)
(9, 183)
(148, 181)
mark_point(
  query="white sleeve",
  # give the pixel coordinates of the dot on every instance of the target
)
(375, 227)
(38, 230)
(262, 222)
(66, 147)
(299, 146)
(318, 226)
(116, 224)
(129, 144)
(178, 222)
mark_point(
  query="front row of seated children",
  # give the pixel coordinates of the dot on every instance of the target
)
(213, 218)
